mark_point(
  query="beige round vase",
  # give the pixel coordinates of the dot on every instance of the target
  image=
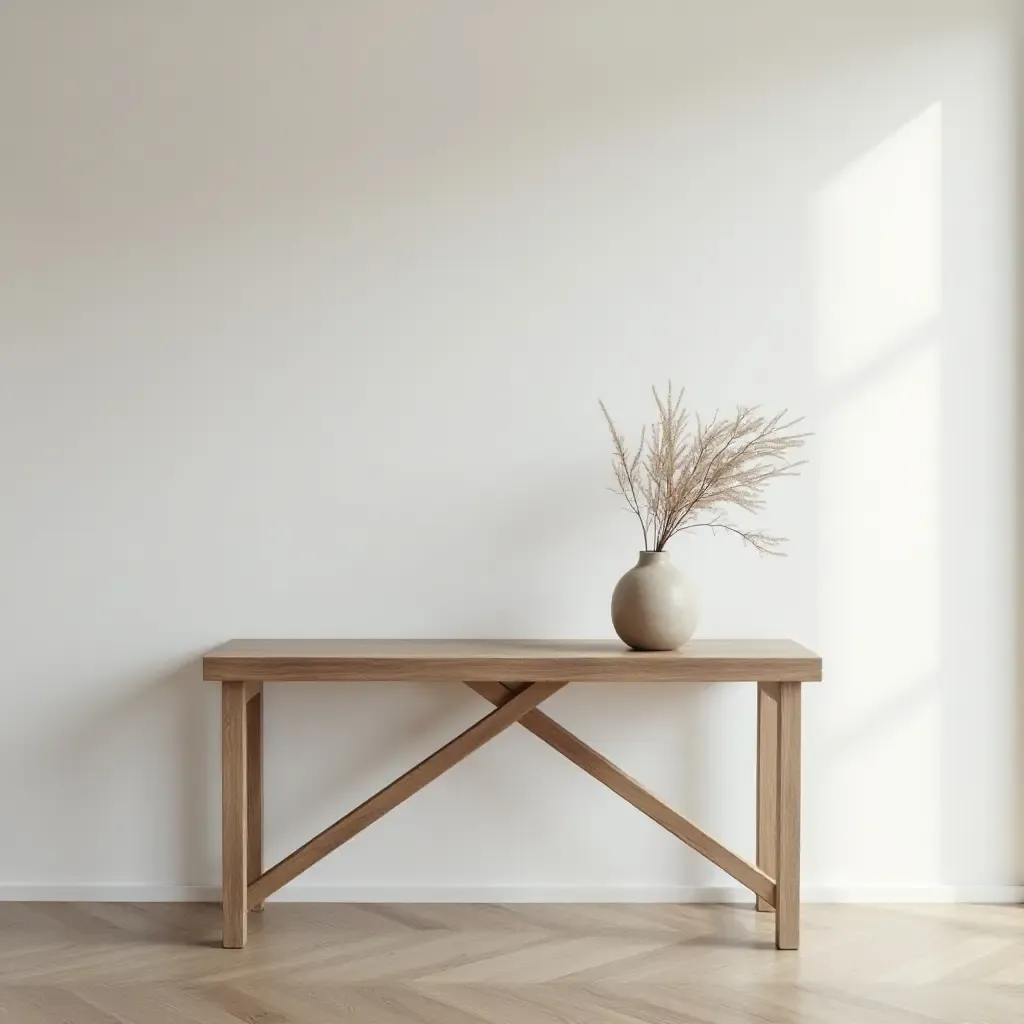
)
(654, 607)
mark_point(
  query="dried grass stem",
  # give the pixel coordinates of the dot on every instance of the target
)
(685, 477)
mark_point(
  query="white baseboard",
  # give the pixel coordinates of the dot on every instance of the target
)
(101, 893)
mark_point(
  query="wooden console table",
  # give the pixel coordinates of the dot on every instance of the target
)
(515, 676)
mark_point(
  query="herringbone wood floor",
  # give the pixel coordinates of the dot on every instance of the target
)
(456, 964)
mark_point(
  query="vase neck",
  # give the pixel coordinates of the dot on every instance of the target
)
(652, 557)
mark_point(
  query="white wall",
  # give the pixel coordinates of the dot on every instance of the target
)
(304, 313)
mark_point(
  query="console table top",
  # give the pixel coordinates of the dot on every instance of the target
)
(508, 661)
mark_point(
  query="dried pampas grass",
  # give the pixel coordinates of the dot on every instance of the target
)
(685, 473)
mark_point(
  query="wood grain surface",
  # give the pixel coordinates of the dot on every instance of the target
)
(508, 661)
(767, 781)
(787, 905)
(307, 963)
(234, 812)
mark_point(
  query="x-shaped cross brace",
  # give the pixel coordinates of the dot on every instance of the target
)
(512, 704)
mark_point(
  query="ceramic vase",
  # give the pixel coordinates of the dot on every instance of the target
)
(654, 607)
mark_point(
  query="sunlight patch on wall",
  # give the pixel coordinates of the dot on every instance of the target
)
(878, 248)
(877, 252)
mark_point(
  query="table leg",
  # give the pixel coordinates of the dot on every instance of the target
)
(767, 780)
(233, 813)
(254, 784)
(787, 909)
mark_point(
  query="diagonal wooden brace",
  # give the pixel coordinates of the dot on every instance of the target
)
(600, 768)
(511, 711)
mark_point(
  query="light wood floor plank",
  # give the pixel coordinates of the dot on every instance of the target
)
(513, 964)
